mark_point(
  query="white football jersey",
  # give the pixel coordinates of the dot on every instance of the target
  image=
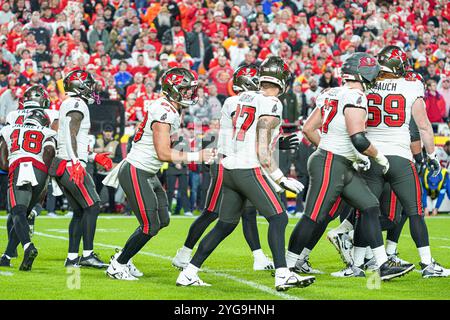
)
(27, 141)
(238, 127)
(69, 105)
(390, 107)
(18, 116)
(335, 137)
(143, 154)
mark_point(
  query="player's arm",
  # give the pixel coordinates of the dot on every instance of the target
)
(312, 125)
(426, 134)
(4, 165)
(162, 143)
(355, 120)
(74, 119)
(49, 151)
(264, 129)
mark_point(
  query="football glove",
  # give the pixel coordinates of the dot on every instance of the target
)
(433, 164)
(290, 142)
(77, 172)
(382, 161)
(291, 185)
(419, 163)
(104, 160)
(362, 163)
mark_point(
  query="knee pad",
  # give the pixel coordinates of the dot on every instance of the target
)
(225, 227)
(94, 209)
(164, 217)
(19, 210)
(279, 219)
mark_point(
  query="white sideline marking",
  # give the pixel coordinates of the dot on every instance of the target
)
(6, 273)
(444, 247)
(207, 270)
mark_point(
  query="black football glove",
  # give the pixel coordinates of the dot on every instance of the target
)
(290, 142)
(433, 164)
(420, 163)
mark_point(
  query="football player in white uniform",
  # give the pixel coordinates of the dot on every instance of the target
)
(248, 128)
(392, 102)
(69, 165)
(137, 173)
(27, 150)
(341, 115)
(245, 78)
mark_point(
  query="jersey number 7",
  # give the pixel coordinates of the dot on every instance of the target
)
(394, 107)
(328, 110)
(249, 114)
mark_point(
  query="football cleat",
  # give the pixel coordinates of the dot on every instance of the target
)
(28, 257)
(261, 264)
(5, 262)
(72, 263)
(434, 270)
(181, 259)
(135, 272)
(185, 280)
(292, 280)
(370, 264)
(92, 261)
(119, 271)
(343, 244)
(390, 270)
(349, 272)
(394, 258)
(304, 266)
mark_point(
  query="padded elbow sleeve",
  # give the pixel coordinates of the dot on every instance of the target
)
(360, 141)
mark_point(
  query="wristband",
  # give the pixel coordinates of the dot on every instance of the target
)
(193, 156)
(432, 155)
(91, 156)
(277, 175)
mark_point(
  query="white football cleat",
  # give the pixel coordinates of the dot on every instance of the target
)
(343, 244)
(181, 259)
(185, 280)
(263, 263)
(304, 266)
(434, 270)
(292, 280)
(119, 271)
(135, 272)
(371, 264)
(349, 272)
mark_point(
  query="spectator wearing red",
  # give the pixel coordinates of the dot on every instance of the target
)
(175, 36)
(137, 88)
(220, 75)
(140, 67)
(153, 40)
(217, 25)
(144, 100)
(100, 51)
(435, 103)
(293, 40)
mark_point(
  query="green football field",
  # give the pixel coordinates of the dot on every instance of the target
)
(229, 269)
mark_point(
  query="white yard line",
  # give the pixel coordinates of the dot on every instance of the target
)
(252, 284)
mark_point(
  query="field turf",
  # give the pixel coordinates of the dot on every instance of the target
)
(229, 269)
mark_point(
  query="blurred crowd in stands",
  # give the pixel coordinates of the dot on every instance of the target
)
(128, 44)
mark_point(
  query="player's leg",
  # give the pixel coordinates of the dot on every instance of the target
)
(75, 231)
(202, 222)
(341, 237)
(137, 185)
(404, 180)
(251, 235)
(230, 211)
(259, 191)
(368, 229)
(327, 172)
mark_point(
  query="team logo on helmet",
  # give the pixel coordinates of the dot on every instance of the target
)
(250, 72)
(367, 62)
(174, 78)
(397, 54)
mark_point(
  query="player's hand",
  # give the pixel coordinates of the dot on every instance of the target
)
(419, 163)
(382, 161)
(291, 184)
(104, 160)
(433, 164)
(362, 163)
(77, 172)
(208, 155)
(290, 142)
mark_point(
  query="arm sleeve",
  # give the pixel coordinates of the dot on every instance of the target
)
(440, 198)
(414, 131)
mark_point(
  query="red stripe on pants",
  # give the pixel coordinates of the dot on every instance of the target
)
(139, 198)
(217, 188)
(86, 195)
(324, 188)
(418, 189)
(335, 207)
(268, 191)
(12, 198)
(392, 206)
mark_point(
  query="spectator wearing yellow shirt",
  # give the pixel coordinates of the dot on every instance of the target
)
(231, 40)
